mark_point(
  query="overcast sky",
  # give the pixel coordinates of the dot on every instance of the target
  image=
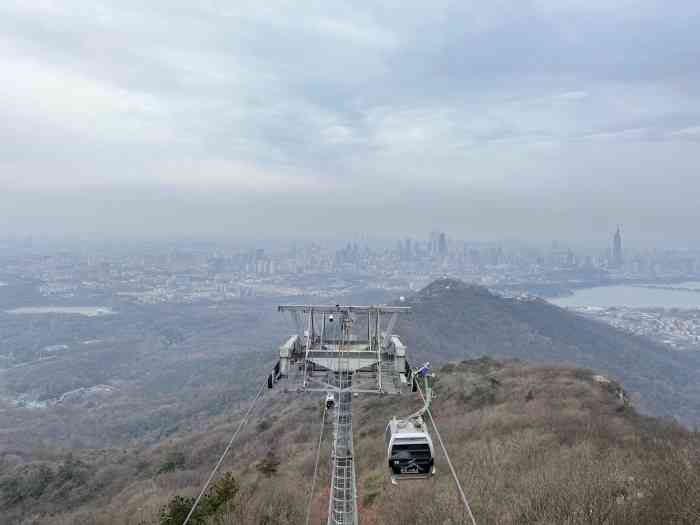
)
(530, 119)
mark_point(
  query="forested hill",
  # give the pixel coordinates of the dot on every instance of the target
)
(453, 320)
(531, 444)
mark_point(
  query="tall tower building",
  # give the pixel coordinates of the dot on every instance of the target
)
(442, 244)
(433, 243)
(617, 249)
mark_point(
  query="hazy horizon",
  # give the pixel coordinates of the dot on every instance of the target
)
(555, 120)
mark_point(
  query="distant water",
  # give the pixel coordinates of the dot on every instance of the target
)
(89, 311)
(687, 285)
(635, 296)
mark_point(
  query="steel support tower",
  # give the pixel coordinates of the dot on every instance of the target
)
(326, 356)
(342, 503)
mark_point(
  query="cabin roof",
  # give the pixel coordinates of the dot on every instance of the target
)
(404, 429)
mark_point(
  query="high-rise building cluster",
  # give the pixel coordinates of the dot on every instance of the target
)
(188, 271)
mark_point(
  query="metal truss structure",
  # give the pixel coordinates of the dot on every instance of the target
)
(346, 350)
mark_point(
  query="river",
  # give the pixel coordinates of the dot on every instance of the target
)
(88, 311)
(646, 296)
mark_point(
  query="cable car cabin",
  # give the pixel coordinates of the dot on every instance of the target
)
(330, 400)
(409, 448)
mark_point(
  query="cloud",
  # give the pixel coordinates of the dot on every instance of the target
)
(571, 96)
(79, 105)
(634, 134)
(279, 98)
(692, 132)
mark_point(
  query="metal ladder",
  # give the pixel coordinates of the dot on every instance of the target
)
(342, 504)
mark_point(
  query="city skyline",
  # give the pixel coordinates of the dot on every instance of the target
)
(602, 243)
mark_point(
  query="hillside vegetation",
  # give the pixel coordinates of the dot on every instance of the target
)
(531, 445)
(453, 320)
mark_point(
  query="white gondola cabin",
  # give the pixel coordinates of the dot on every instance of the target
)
(409, 447)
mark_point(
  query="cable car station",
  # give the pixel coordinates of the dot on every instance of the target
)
(344, 351)
(332, 342)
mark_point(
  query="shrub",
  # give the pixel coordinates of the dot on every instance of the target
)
(175, 512)
(263, 425)
(268, 465)
(222, 494)
(173, 461)
(220, 497)
(72, 470)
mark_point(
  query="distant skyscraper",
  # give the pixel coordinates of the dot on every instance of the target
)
(442, 244)
(401, 251)
(433, 243)
(617, 249)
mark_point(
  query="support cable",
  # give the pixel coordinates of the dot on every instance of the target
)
(447, 457)
(318, 455)
(223, 455)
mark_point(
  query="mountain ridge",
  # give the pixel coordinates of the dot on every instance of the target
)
(453, 320)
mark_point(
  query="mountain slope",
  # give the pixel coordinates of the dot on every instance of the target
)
(530, 444)
(453, 320)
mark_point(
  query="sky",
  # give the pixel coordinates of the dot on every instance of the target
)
(529, 119)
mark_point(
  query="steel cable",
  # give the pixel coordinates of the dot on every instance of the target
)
(223, 455)
(318, 455)
(449, 462)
